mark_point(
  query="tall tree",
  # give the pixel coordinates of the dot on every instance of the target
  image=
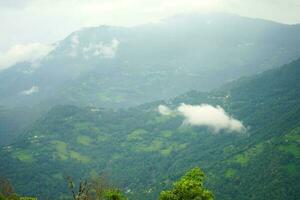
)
(189, 187)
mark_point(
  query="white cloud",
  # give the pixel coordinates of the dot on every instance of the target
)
(210, 116)
(32, 90)
(164, 110)
(205, 115)
(74, 45)
(21, 53)
(102, 50)
(32, 14)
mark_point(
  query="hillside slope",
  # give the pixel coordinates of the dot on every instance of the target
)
(144, 151)
(120, 67)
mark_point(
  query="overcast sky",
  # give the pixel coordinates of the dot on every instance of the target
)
(46, 21)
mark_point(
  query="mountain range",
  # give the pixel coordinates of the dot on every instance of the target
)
(121, 67)
(144, 104)
(249, 150)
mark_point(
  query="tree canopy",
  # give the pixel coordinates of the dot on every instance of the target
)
(189, 187)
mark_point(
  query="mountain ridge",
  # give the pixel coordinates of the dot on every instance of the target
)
(140, 60)
(144, 151)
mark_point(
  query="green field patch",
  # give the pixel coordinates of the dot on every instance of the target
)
(81, 158)
(294, 135)
(93, 174)
(229, 149)
(58, 176)
(103, 138)
(28, 198)
(230, 173)
(153, 146)
(172, 148)
(162, 119)
(293, 149)
(242, 159)
(188, 130)
(61, 149)
(294, 138)
(295, 131)
(166, 133)
(103, 97)
(23, 156)
(137, 134)
(245, 157)
(83, 126)
(116, 156)
(167, 151)
(84, 140)
(119, 99)
(291, 169)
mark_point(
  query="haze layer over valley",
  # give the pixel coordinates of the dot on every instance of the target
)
(143, 105)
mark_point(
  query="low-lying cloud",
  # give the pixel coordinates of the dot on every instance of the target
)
(102, 50)
(24, 53)
(205, 115)
(210, 116)
(74, 45)
(32, 90)
(164, 110)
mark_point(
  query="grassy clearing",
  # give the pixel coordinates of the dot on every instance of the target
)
(291, 169)
(155, 145)
(81, 158)
(244, 158)
(230, 173)
(293, 149)
(103, 138)
(84, 140)
(58, 176)
(166, 134)
(23, 156)
(61, 149)
(137, 134)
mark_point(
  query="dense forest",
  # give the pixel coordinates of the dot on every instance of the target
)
(144, 149)
(190, 186)
(189, 106)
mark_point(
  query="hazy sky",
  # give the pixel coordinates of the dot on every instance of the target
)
(46, 21)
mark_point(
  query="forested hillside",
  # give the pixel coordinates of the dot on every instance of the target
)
(143, 149)
(121, 66)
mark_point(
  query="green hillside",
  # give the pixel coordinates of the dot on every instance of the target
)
(144, 151)
(128, 66)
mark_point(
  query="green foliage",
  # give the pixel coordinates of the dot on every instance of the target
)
(11, 197)
(143, 151)
(291, 149)
(81, 158)
(230, 173)
(24, 156)
(189, 187)
(137, 134)
(84, 140)
(7, 191)
(114, 194)
(247, 155)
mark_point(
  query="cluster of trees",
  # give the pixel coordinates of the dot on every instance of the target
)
(7, 191)
(189, 187)
(96, 189)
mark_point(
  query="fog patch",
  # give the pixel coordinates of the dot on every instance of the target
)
(32, 90)
(210, 116)
(74, 44)
(206, 115)
(24, 53)
(102, 50)
(164, 110)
